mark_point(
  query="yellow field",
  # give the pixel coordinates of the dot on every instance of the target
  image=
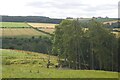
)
(42, 25)
(48, 30)
(9, 32)
(46, 27)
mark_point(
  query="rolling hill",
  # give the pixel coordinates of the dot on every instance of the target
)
(25, 64)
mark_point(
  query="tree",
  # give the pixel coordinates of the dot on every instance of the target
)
(79, 49)
(103, 46)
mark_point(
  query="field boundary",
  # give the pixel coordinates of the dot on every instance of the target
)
(43, 31)
(40, 30)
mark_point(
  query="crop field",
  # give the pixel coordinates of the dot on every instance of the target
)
(48, 30)
(42, 25)
(25, 64)
(14, 25)
(46, 27)
(20, 32)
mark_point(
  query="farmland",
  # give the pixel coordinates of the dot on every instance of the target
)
(20, 32)
(46, 27)
(42, 25)
(18, 29)
(32, 38)
(34, 65)
(48, 30)
(13, 25)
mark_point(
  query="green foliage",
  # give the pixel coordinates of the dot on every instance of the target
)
(42, 44)
(95, 48)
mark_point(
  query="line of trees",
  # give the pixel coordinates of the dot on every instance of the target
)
(40, 44)
(36, 19)
(77, 48)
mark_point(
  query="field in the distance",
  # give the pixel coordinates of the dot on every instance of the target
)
(42, 25)
(20, 32)
(22, 64)
(46, 27)
(14, 25)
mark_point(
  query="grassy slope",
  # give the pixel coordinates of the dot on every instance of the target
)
(22, 64)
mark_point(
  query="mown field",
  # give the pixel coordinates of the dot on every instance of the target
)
(20, 32)
(46, 27)
(13, 25)
(24, 64)
(21, 29)
(42, 25)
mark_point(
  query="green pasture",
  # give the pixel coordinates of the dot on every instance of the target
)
(24, 64)
(13, 25)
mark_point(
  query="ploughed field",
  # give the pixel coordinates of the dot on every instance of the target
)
(24, 64)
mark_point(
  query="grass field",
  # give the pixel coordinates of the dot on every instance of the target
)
(22, 64)
(20, 32)
(13, 25)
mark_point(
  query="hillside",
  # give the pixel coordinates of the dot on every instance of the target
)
(36, 19)
(19, 29)
(16, 64)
